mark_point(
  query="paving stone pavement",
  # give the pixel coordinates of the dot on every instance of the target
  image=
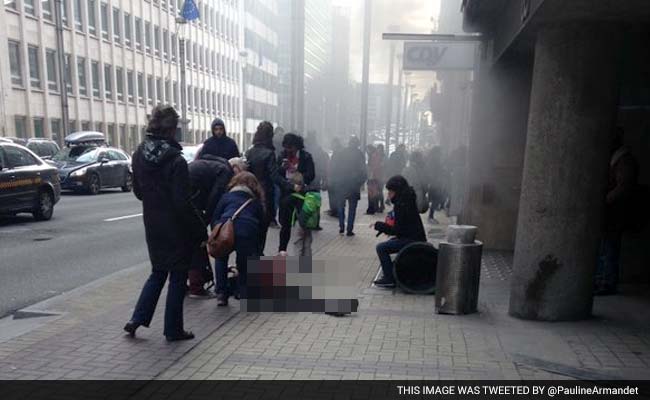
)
(393, 336)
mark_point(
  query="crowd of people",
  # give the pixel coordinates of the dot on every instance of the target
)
(268, 186)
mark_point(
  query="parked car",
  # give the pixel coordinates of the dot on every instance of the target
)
(16, 140)
(43, 148)
(190, 152)
(86, 164)
(27, 183)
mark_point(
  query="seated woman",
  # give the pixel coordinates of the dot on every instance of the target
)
(406, 229)
(247, 226)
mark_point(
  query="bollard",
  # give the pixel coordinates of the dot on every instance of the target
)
(459, 271)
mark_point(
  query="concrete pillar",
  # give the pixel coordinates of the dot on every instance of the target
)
(572, 113)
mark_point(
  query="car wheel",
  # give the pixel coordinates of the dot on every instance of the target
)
(45, 207)
(94, 184)
(128, 183)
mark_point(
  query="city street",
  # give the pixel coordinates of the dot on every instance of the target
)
(83, 242)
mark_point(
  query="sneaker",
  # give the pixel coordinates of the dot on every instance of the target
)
(349, 234)
(341, 231)
(202, 295)
(384, 283)
(222, 300)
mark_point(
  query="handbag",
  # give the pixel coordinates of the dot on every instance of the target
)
(221, 241)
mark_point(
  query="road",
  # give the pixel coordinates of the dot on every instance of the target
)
(41, 259)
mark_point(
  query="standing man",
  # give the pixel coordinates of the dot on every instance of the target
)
(172, 227)
(348, 175)
(331, 190)
(220, 144)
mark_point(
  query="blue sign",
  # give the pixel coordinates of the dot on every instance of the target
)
(190, 11)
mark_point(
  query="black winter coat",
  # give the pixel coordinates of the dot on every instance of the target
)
(305, 167)
(408, 224)
(209, 177)
(172, 226)
(348, 173)
(223, 147)
(263, 164)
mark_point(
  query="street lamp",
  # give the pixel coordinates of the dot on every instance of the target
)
(182, 22)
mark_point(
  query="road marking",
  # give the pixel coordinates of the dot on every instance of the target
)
(124, 217)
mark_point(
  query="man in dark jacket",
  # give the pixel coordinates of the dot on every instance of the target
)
(209, 177)
(407, 227)
(263, 164)
(173, 228)
(293, 159)
(331, 190)
(347, 176)
(220, 144)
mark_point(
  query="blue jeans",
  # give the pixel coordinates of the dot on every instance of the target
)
(150, 294)
(352, 214)
(246, 249)
(608, 262)
(385, 249)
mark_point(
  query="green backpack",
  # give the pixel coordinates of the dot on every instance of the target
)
(309, 214)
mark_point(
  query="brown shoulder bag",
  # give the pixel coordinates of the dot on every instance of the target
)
(221, 241)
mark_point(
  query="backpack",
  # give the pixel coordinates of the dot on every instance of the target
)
(309, 214)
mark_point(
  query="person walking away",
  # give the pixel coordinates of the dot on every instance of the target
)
(220, 144)
(435, 186)
(263, 164)
(407, 227)
(376, 180)
(621, 214)
(348, 175)
(331, 189)
(415, 174)
(244, 191)
(294, 158)
(209, 178)
(173, 228)
(397, 161)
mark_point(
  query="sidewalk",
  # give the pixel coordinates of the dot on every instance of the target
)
(393, 336)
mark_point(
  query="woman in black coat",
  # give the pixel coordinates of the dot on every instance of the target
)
(173, 227)
(263, 164)
(406, 229)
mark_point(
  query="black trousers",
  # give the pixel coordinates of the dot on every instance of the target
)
(287, 206)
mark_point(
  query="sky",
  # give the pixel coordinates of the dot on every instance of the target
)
(412, 16)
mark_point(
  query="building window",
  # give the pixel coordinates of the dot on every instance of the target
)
(68, 73)
(34, 67)
(195, 55)
(174, 45)
(127, 29)
(72, 126)
(81, 75)
(133, 136)
(150, 89)
(117, 33)
(112, 140)
(138, 33)
(108, 82)
(46, 9)
(38, 128)
(165, 40)
(147, 37)
(20, 123)
(15, 63)
(156, 40)
(190, 98)
(30, 8)
(85, 125)
(78, 12)
(123, 139)
(99, 127)
(52, 70)
(94, 70)
(11, 4)
(55, 129)
(92, 20)
(64, 12)
(103, 12)
(168, 92)
(141, 88)
(175, 89)
(159, 90)
(196, 100)
(130, 86)
(119, 83)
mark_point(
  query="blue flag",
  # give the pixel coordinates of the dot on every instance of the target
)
(190, 11)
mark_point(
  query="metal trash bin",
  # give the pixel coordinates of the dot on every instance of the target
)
(459, 271)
